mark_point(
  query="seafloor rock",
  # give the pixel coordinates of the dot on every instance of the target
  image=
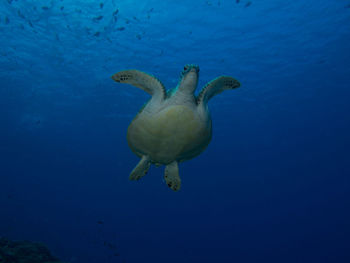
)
(24, 252)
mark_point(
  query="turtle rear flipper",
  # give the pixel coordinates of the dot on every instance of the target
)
(172, 177)
(141, 80)
(141, 168)
(215, 87)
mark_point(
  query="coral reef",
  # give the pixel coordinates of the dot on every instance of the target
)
(24, 252)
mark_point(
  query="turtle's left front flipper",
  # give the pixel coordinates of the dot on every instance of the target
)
(141, 80)
(215, 87)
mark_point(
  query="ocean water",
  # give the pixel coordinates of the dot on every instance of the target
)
(274, 183)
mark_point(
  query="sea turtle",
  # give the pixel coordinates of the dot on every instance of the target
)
(174, 125)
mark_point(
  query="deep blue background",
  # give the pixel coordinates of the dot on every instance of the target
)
(273, 185)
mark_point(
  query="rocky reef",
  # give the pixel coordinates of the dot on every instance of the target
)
(24, 252)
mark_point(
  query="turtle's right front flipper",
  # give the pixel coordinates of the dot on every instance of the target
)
(215, 87)
(141, 80)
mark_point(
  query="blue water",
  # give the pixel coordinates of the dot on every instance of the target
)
(273, 185)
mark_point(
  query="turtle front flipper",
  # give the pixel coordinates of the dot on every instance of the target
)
(215, 87)
(141, 168)
(172, 177)
(141, 80)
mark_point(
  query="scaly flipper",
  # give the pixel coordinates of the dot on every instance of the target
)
(172, 177)
(215, 87)
(141, 168)
(141, 80)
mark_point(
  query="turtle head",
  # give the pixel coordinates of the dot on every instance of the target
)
(190, 68)
(189, 78)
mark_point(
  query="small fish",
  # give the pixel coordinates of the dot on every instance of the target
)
(20, 14)
(101, 5)
(45, 8)
(248, 4)
(7, 20)
(115, 12)
(9, 1)
(347, 6)
(97, 34)
(62, 7)
(30, 24)
(109, 245)
(138, 36)
(97, 18)
(149, 13)
(121, 28)
(237, 1)
(100, 222)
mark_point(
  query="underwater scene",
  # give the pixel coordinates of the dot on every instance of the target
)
(174, 131)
